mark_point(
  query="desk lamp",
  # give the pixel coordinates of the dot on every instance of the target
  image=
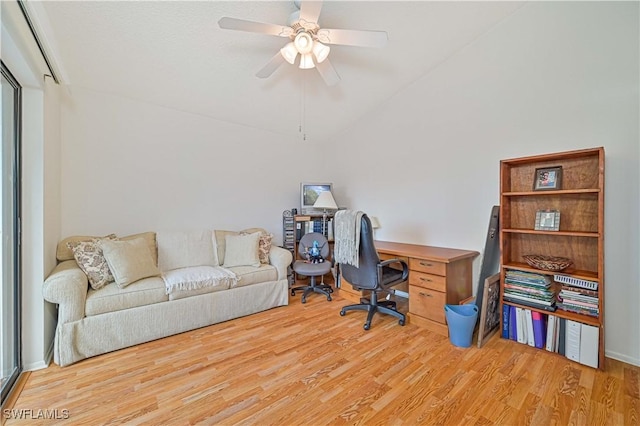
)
(325, 202)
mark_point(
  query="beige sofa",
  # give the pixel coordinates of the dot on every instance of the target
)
(95, 321)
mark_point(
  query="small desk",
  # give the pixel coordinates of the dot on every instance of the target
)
(437, 276)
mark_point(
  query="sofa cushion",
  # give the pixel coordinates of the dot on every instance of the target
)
(129, 261)
(264, 245)
(182, 249)
(241, 250)
(89, 257)
(249, 275)
(111, 298)
(220, 236)
(220, 239)
(63, 252)
(150, 239)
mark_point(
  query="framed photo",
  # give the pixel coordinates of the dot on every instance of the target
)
(548, 178)
(490, 309)
(547, 220)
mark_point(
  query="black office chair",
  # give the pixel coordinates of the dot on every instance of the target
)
(313, 270)
(374, 276)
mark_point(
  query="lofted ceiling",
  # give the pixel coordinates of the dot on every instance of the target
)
(173, 54)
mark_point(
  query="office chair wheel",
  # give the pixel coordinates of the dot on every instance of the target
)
(328, 298)
(342, 313)
(293, 292)
(401, 322)
(367, 326)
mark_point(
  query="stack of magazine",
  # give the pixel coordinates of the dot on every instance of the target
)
(529, 289)
(578, 296)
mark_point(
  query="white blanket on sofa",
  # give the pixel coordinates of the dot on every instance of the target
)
(195, 277)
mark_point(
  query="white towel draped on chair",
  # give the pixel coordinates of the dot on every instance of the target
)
(347, 236)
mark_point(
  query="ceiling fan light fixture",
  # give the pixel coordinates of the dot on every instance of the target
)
(303, 42)
(306, 61)
(320, 51)
(289, 53)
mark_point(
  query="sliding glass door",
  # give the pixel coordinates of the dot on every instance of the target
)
(10, 362)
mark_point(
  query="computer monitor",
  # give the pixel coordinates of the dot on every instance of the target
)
(309, 193)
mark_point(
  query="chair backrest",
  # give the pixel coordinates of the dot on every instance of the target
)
(306, 242)
(366, 274)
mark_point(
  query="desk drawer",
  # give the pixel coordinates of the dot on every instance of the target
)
(427, 303)
(433, 282)
(428, 266)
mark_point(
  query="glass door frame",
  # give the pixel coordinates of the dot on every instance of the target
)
(16, 246)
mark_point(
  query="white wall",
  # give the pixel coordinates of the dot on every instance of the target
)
(554, 77)
(130, 167)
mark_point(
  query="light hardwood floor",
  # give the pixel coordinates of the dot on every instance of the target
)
(306, 365)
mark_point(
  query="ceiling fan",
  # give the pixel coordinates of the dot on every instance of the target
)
(307, 39)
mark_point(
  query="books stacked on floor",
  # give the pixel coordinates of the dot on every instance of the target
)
(578, 296)
(529, 289)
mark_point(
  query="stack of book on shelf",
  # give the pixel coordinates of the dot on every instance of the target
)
(529, 289)
(575, 340)
(578, 296)
(308, 224)
(524, 326)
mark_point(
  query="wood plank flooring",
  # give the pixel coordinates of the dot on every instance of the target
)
(307, 365)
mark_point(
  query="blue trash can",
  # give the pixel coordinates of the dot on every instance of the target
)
(461, 320)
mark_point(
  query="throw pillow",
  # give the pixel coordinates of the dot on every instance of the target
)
(90, 259)
(264, 245)
(64, 252)
(182, 249)
(129, 261)
(241, 250)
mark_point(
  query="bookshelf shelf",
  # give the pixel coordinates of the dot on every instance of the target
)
(584, 275)
(585, 319)
(565, 233)
(580, 201)
(551, 193)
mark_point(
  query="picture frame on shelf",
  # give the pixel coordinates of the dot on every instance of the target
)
(548, 178)
(547, 220)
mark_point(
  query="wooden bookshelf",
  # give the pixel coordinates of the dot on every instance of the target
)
(580, 201)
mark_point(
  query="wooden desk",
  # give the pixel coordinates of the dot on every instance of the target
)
(437, 276)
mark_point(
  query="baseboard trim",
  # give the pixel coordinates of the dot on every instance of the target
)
(622, 358)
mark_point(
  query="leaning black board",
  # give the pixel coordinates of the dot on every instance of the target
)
(491, 257)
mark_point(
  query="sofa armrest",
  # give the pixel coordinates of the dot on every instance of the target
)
(281, 259)
(67, 286)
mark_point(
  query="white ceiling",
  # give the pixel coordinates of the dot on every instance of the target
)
(174, 54)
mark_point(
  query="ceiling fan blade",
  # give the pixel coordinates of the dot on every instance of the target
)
(328, 72)
(271, 66)
(254, 27)
(310, 10)
(353, 37)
